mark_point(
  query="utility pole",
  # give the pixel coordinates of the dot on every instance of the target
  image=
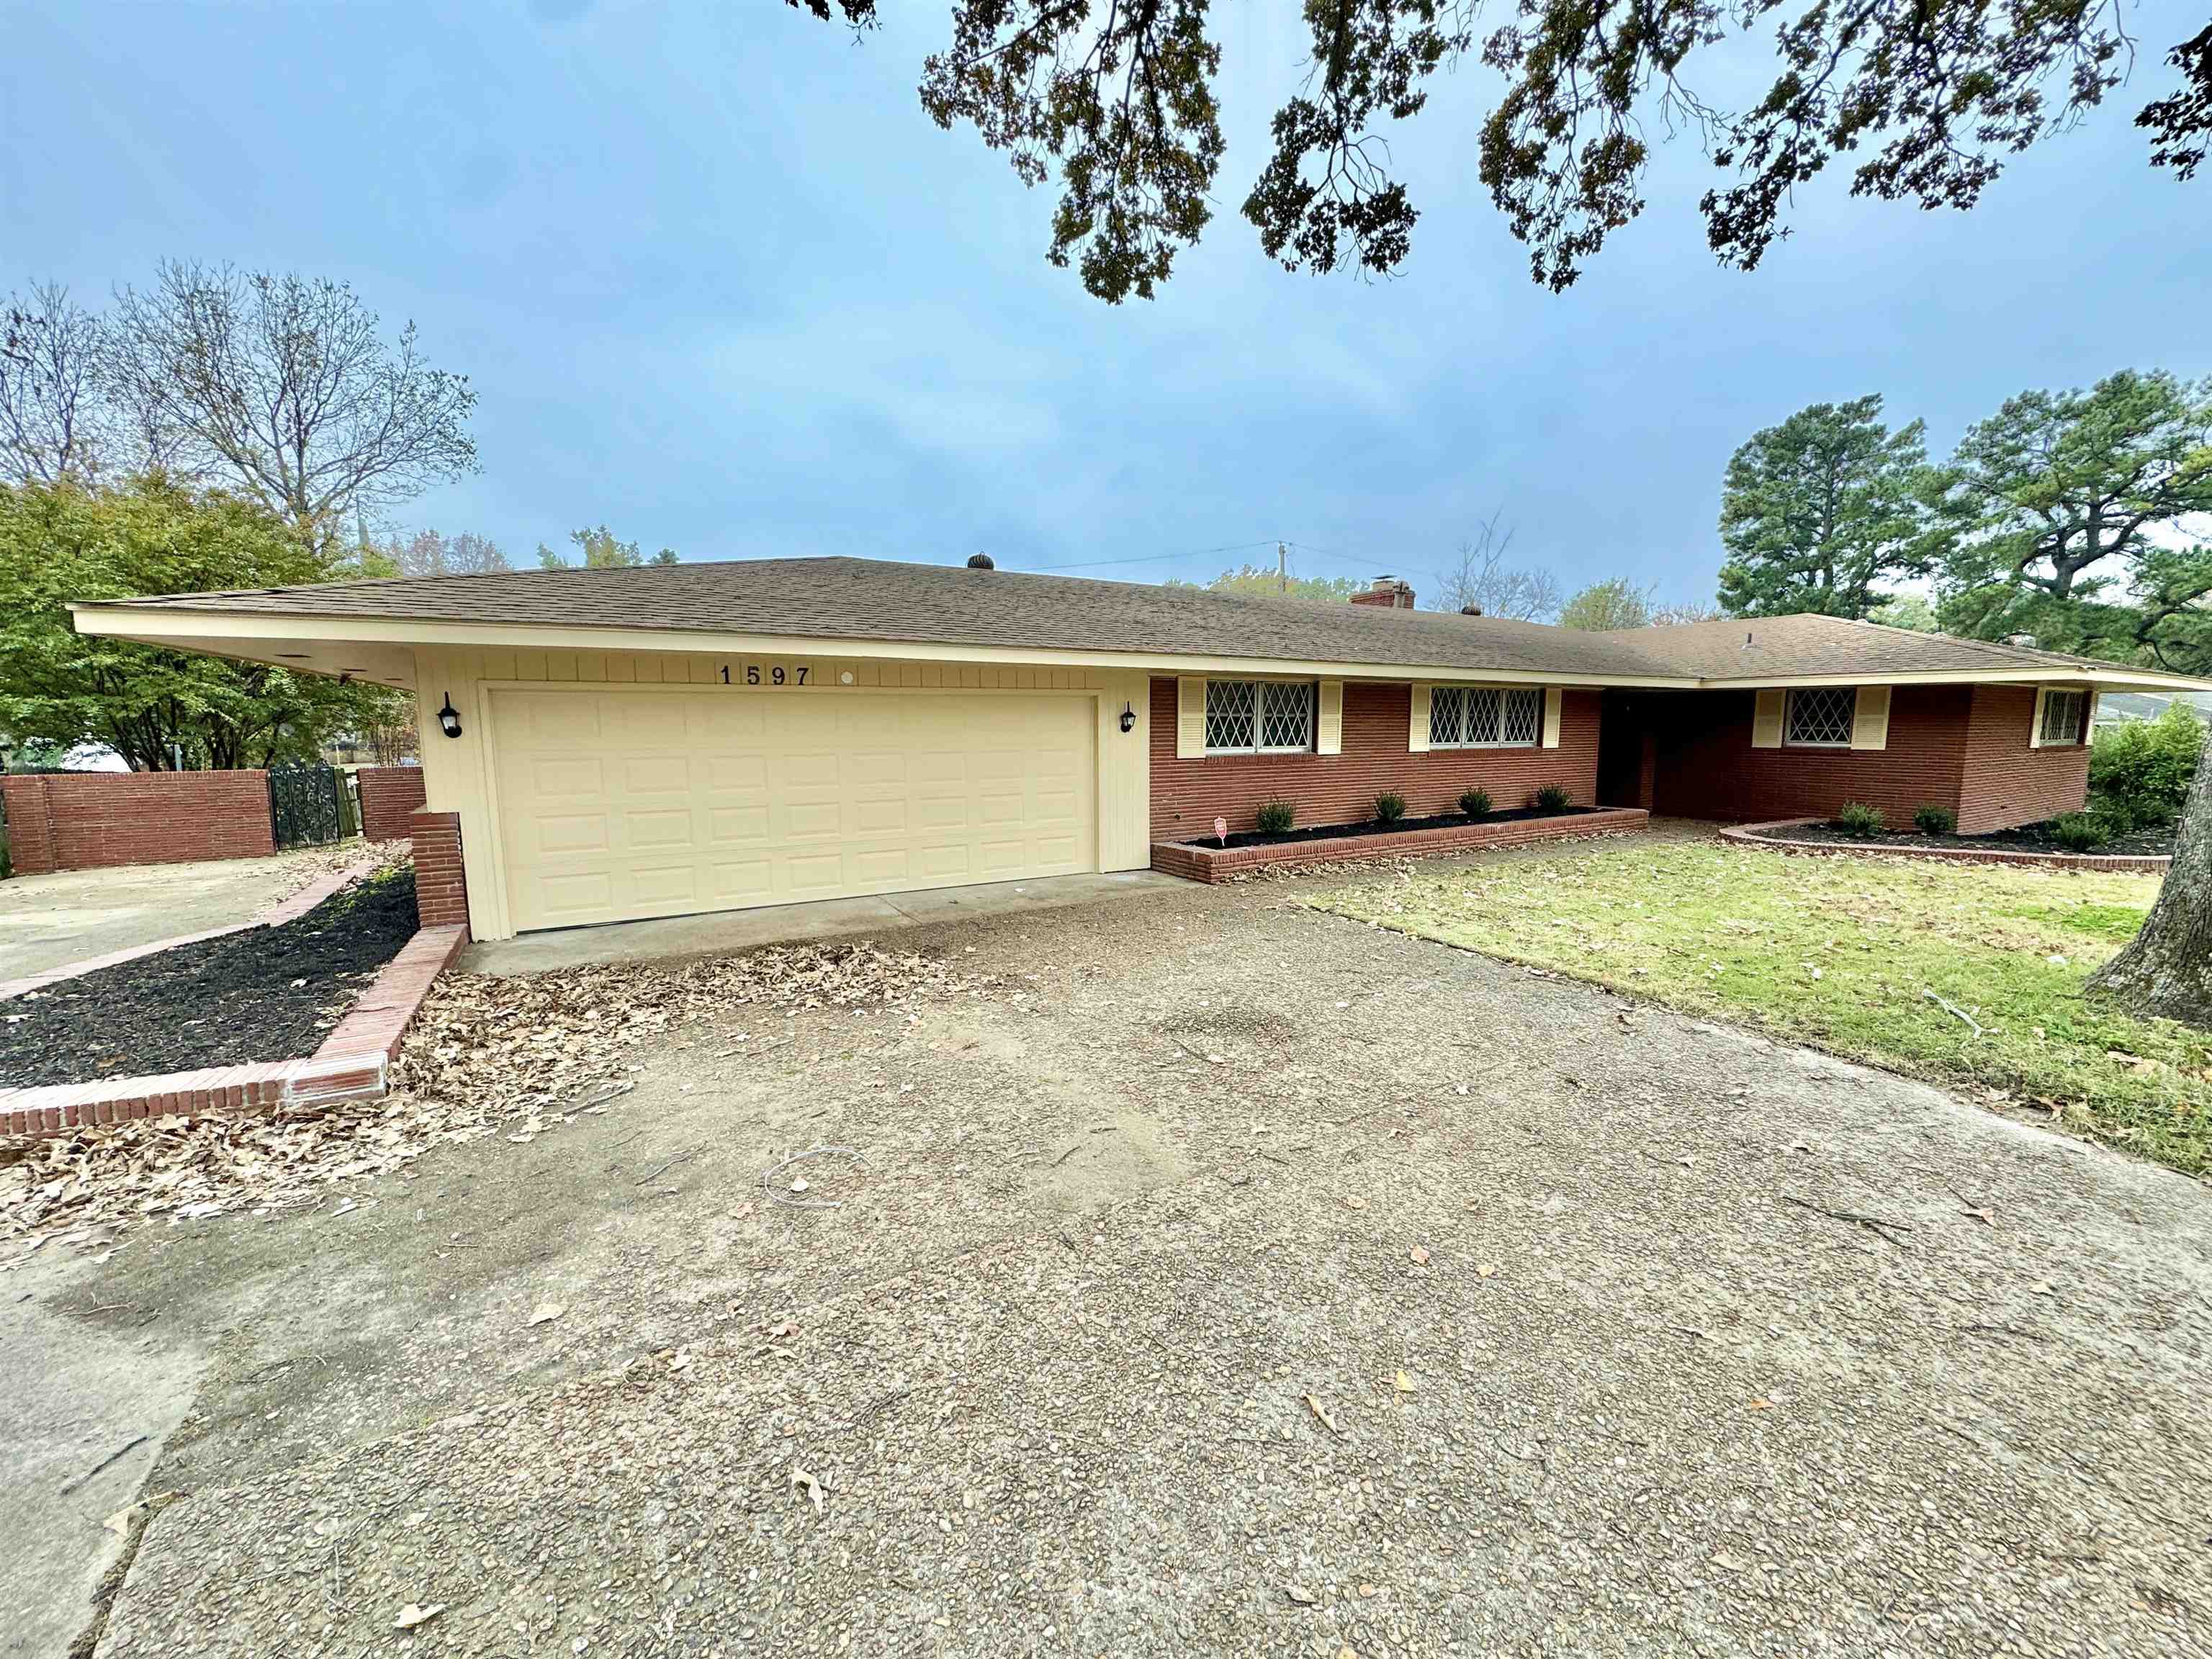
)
(1282, 569)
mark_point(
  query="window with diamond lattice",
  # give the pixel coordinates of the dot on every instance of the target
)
(1285, 716)
(1484, 717)
(2062, 717)
(1821, 717)
(1246, 717)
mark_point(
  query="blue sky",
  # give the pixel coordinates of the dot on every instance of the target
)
(721, 284)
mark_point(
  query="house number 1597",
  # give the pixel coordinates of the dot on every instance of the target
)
(776, 675)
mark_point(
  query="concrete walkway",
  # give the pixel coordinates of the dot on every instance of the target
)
(672, 937)
(47, 922)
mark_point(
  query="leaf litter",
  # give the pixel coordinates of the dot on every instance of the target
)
(488, 1055)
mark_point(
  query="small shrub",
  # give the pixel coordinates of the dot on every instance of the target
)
(1475, 802)
(1933, 820)
(2112, 821)
(1390, 808)
(1857, 818)
(2143, 769)
(1551, 798)
(2077, 832)
(1274, 816)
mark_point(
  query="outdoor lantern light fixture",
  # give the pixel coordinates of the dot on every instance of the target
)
(449, 718)
(1128, 717)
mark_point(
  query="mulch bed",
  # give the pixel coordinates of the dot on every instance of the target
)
(1344, 831)
(269, 994)
(2157, 842)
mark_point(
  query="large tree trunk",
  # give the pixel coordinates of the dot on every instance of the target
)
(2167, 970)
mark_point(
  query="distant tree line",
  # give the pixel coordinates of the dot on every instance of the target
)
(2075, 521)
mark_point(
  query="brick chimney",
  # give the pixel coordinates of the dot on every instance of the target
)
(1387, 592)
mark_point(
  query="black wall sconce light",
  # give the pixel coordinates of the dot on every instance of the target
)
(449, 718)
(1128, 717)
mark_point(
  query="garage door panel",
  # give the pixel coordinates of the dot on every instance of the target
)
(657, 775)
(722, 773)
(622, 803)
(653, 830)
(726, 824)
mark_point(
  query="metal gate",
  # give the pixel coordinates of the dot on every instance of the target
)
(303, 806)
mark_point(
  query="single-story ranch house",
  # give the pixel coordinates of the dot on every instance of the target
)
(603, 745)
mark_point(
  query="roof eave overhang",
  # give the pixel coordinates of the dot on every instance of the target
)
(235, 633)
(238, 634)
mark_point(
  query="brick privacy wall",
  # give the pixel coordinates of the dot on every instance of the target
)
(1707, 768)
(1188, 795)
(95, 820)
(2007, 780)
(390, 798)
(442, 886)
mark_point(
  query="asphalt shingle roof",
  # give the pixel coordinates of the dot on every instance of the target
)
(878, 599)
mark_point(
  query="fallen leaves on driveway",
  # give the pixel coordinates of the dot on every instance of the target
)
(487, 1055)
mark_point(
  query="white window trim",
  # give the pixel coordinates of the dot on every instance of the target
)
(1503, 691)
(1259, 717)
(2081, 725)
(1789, 708)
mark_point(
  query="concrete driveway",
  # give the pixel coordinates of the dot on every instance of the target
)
(46, 921)
(1225, 1278)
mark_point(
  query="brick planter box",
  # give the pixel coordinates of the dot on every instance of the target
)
(1196, 862)
(1773, 836)
(353, 1063)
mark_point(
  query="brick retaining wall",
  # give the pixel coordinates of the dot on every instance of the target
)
(1774, 835)
(95, 820)
(1194, 862)
(441, 882)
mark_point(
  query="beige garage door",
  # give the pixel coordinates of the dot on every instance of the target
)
(619, 803)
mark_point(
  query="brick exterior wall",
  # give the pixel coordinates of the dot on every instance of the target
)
(390, 798)
(441, 885)
(1188, 795)
(1964, 747)
(95, 820)
(2007, 781)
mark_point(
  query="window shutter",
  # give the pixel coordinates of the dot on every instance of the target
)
(1328, 734)
(1417, 734)
(1190, 718)
(1767, 719)
(2035, 721)
(1870, 718)
(1554, 701)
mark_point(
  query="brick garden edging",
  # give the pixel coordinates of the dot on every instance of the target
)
(1194, 862)
(275, 916)
(353, 1063)
(1755, 834)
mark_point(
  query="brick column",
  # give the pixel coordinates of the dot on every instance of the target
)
(390, 797)
(441, 885)
(30, 825)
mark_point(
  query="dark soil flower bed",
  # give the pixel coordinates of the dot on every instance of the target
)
(1344, 831)
(2027, 838)
(265, 994)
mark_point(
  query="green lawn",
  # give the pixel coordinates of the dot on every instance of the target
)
(1839, 952)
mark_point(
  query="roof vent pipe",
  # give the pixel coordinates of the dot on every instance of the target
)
(1470, 611)
(981, 562)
